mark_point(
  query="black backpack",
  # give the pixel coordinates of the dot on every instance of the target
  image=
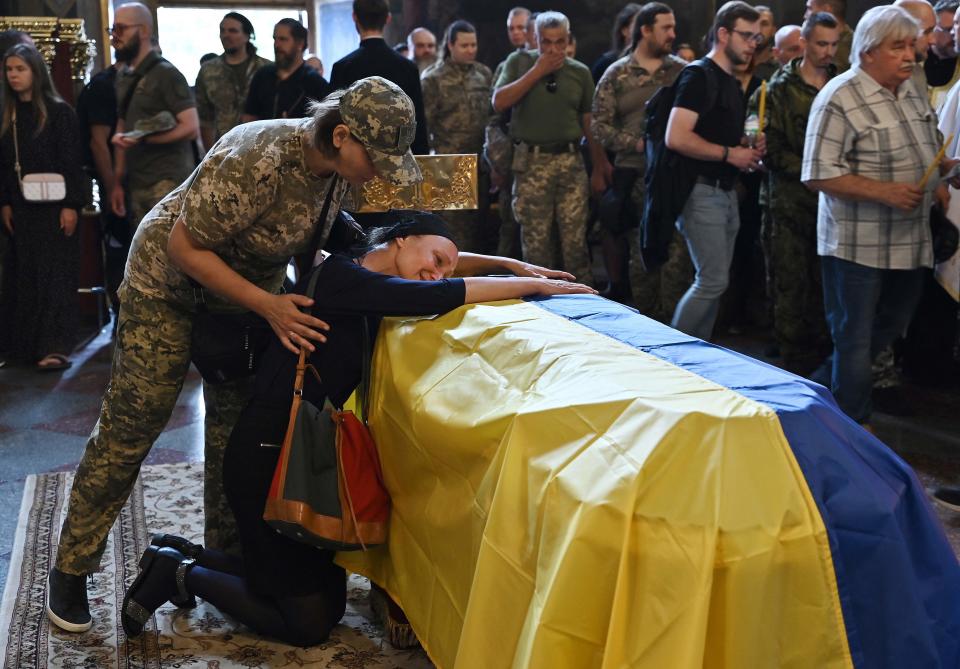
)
(670, 176)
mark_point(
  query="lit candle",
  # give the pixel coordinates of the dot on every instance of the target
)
(763, 105)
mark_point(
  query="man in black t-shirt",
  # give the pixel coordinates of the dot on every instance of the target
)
(283, 89)
(97, 114)
(706, 126)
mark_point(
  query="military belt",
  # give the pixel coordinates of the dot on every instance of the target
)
(559, 147)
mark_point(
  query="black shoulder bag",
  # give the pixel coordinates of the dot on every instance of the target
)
(228, 346)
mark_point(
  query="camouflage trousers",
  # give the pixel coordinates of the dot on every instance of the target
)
(550, 202)
(150, 361)
(656, 293)
(798, 317)
(142, 200)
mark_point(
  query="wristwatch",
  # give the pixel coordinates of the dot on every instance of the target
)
(726, 152)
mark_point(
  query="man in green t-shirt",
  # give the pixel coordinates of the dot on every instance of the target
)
(550, 97)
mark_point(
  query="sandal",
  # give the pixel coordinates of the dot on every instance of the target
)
(60, 363)
(162, 576)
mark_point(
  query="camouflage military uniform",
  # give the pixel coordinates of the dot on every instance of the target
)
(456, 101)
(799, 322)
(220, 97)
(619, 122)
(550, 189)
(254, 202)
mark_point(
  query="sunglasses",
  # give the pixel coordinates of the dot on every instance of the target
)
(551, 83)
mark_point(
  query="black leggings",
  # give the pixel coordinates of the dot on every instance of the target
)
(304, 620)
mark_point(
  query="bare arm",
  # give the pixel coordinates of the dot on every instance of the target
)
(102, 159)
(117, 202)
(188, 125)
(682, 139)
(493, 288)
(902, 196)
(293, 327)
(510, 94)
(206, 136)
(471, 264)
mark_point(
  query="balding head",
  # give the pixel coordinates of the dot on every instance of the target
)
(135, 13)
(423, 47)
(786, 44)
(922, 11)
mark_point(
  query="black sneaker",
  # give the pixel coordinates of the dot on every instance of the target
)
(67, 605)
(948, 498)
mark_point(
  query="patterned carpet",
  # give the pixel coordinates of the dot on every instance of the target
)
(166, 498)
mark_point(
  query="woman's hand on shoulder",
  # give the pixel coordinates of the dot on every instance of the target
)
(293, 327)
(561, 287)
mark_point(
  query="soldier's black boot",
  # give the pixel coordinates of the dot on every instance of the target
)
(67, 605)
(188, 549)
(162, 577)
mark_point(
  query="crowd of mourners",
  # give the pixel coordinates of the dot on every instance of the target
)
(811, 156)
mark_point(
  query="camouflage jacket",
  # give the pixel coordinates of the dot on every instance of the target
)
(456, 99)
(252, 200)
(219, 99)
(619, 105)
(789, 99)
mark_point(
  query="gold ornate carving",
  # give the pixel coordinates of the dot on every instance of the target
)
(41, 29)
(449, 182)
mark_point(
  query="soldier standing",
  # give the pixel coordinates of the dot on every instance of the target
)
(550, 96)
(223, 82)
(799, 323)
(157, 105)
(619, 123)
(456, 100)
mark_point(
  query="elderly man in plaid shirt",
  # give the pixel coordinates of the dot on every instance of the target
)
(869, 141)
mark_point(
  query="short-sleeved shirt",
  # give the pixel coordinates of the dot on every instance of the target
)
(721, 116)
(252, 200)
(859, 127)
(620, 105)
(222, 91)
(160, 88)
(542, 117)
(97, 105)
(272, 97)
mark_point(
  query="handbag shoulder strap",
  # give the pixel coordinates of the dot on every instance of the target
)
(16, 146)
(321, 223)
(302, 365)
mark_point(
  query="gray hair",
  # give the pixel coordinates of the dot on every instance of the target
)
(547, 20)
(879, 24)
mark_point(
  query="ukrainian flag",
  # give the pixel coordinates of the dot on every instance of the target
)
(575, 485)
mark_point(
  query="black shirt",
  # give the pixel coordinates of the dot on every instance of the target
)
(345, 293)
(719, 122)
(97, 105)
(270, 97)
(374, 58)
(939, 72)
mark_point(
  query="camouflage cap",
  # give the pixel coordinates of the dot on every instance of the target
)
(381, 116)
(160, 122)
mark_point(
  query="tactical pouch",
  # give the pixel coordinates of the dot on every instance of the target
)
(521, 157)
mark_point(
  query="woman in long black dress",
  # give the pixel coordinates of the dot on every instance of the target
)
(44, 233)
(283, 588)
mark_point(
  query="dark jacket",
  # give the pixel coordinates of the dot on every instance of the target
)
(374, 58)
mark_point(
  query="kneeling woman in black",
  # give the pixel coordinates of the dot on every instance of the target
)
(282, 588)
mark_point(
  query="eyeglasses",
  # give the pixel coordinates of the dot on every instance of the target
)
(552, 83)
(120, 28)
(748, 36)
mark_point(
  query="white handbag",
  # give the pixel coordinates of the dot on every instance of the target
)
(39, 186)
